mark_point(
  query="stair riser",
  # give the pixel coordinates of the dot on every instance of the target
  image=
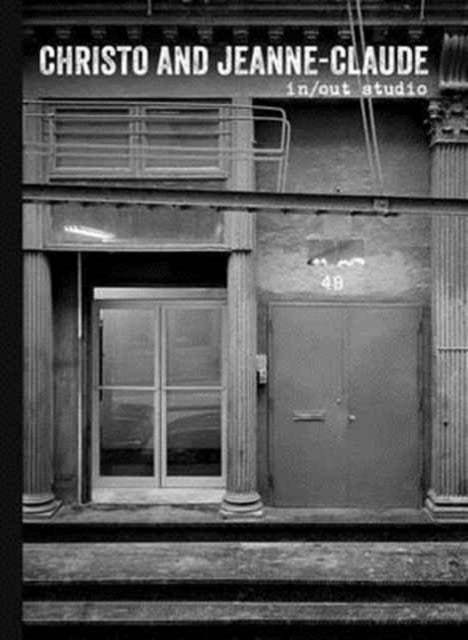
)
(154, 532)
(260, 631)
(239, 591)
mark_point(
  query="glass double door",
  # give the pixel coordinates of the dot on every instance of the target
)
(159, 396)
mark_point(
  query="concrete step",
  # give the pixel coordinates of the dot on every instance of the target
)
(420, 564)
(209, 613)
(254, 583)
(203, 523)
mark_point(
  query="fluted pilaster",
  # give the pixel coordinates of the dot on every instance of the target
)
(448, 495)
(38, 497)
(241, 495)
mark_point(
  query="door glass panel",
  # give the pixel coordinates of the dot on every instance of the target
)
(194, 433)
(127, 347)
(126, 433)
(193, 347)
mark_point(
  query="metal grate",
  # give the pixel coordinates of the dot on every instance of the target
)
(171, 140)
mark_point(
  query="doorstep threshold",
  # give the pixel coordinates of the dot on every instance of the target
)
(118, 513)
(203, 523)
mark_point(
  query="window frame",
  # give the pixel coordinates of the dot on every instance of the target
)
(136, 143)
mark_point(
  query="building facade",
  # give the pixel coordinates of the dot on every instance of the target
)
(201, 324)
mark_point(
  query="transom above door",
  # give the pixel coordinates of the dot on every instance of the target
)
(159, 391)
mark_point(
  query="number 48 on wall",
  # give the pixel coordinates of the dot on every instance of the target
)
(332, 283)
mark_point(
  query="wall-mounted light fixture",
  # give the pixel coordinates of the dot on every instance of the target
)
(89, 232)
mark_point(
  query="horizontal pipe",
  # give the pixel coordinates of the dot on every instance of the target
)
(253, 201)
(290, 15)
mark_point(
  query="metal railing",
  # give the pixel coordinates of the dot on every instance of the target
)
(145, 139)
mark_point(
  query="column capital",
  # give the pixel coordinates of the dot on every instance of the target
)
(453, 70)
(240, 229)
(448, 119)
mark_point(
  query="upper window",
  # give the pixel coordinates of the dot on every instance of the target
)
(135, 140)
(182, 139)
(127, 139)
(90, 138)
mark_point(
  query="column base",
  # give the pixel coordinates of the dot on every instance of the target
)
(447, 508)
(40, 506)
(240, 505)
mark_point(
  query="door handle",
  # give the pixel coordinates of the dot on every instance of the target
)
(101, 359)
(309, 416)
(351, 417)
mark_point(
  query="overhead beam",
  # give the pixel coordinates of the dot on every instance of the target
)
(246, 12)
(254, 201)
(231, 20)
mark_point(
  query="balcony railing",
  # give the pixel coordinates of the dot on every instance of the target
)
(154, 140)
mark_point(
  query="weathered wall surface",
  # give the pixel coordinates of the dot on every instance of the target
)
(396, 257)
(328, 152)
(328, 156)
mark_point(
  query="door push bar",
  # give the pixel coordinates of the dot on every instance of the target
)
(315, 416)
(309, 416)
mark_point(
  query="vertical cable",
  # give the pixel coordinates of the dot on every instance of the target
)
(361, 97)
(79, 283)
(422, 10)
(375, 144)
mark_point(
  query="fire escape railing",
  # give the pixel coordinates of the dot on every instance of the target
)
(89, 139)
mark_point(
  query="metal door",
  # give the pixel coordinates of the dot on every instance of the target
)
(382, 443)
(344, 428)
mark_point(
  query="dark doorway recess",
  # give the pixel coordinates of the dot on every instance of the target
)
(156, 269)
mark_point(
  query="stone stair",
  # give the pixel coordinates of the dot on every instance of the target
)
(253, 584)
